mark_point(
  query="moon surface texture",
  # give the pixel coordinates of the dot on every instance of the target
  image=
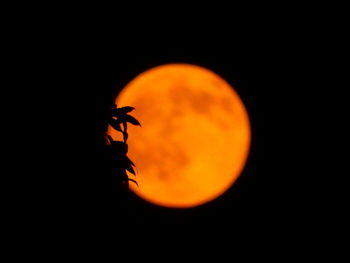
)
(195, 135)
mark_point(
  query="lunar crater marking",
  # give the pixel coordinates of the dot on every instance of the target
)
(202, 103)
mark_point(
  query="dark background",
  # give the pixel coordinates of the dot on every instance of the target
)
(68, 63)
(77, 69)
(261, 69)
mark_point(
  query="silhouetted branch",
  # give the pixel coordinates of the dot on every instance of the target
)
(121, 163)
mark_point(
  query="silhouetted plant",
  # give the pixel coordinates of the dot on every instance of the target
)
(117, 150)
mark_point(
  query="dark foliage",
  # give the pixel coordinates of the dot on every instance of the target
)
(116, 151)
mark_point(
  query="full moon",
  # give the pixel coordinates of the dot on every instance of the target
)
(195, 135)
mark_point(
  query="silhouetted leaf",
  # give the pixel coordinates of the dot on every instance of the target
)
(132, 180)
(127, 109)
(118, 112)
(126, 164)
(129, 168)
(115, 124)
(132, 120)
(130, 161)
(119, 147)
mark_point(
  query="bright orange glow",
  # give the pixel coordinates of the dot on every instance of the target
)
(195, 134)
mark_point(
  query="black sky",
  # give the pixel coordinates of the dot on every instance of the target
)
(95, 70)
(69, 62)
(80, 70)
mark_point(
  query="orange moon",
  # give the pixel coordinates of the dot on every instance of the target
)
(195, 135)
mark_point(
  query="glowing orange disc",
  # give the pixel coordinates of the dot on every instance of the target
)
(195, 134)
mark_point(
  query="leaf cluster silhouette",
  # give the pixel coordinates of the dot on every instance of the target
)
(120, 164)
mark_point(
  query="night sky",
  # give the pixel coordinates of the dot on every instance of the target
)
(83, 71)
(262, 193)
(66, 65)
